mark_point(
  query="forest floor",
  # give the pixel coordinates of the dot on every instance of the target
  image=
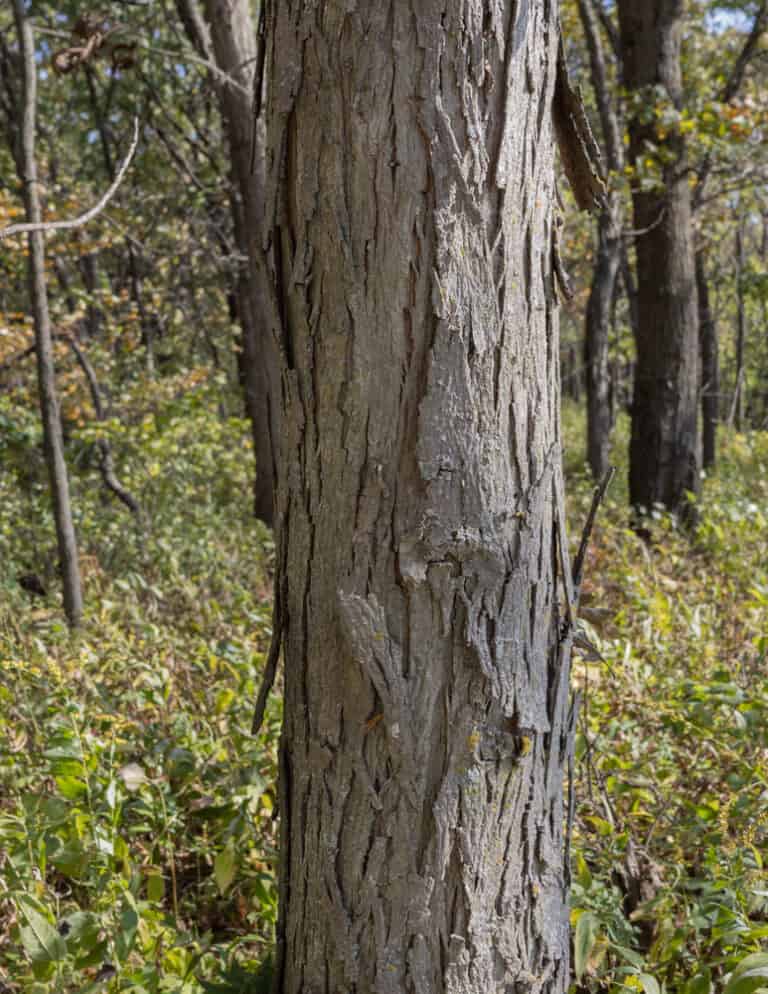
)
(137, 837)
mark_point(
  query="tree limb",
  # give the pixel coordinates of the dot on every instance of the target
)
(78, 222)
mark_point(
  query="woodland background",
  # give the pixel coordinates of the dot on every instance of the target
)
(137, 830)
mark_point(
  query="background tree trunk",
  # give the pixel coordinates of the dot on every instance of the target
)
(420, 520)
(26, 166)
(708, 337)
(664, 446)
(741, 330)
(227, 37)
(710, 366)
(607, 263)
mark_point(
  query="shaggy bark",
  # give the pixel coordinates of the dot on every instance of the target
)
(46, 373)
(420, 505)
(664, 446)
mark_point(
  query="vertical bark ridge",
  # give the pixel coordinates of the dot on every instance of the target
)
(410, 176)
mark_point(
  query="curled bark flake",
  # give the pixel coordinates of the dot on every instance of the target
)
(579, 150)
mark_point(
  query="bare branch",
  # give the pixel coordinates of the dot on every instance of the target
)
(89, 215)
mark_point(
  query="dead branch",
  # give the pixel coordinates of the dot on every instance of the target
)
(89, 215)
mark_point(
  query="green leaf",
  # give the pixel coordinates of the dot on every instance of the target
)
(71, 787)
(584, 941)
(155, 887)
(224, 868)
(129, 922)
(650, 984)
(81, 930)
(750, 975)
(39, 937)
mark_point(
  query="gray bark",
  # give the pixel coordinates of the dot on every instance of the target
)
(46, 373)
(420, 503)
(227, 37)
(664, 446)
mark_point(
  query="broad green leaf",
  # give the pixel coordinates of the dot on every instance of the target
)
(750, 975)
(650, 984)
(39, 937)
(224, 868)
(155, 887)
(583, 941)
(129, 922)
(71, 787)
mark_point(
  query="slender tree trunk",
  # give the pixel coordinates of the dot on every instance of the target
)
(46, 373)
(227, 37)
(708, 337)
(607, 263)
(664, 446)
(596, 341)
(741, 330)
(420, 504)
(710, 366)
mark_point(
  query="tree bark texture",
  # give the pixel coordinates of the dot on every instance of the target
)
(608, 259)
(420, 504)
(229, 30)
(46, 373)
(710, 367)
(664, 446)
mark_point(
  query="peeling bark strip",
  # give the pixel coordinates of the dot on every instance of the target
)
(578, 147)
(426, 638)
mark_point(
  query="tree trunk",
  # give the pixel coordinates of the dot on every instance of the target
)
(420, 504)
(741, 330)
(596, 341)
(664, 446)
(608, 260)
(227, 37)
(46, 374)
(710, 367)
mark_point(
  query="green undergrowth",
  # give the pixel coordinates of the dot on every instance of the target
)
(137, 829)
(137, 837)
(670, 889)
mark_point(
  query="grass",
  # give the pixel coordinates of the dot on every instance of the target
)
(137, 838)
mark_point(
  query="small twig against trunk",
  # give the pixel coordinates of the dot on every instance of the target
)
(736, 397)
(89, 215)
(630, 233)
(597, 499)
(11, 361)
(278, 625)
(573, 718)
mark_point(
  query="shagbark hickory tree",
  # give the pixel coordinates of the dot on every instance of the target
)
(423, 588)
